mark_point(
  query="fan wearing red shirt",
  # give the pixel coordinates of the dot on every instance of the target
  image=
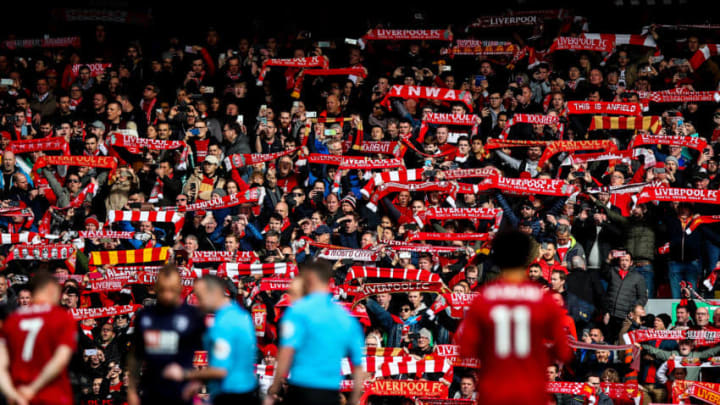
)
(36, 344)
(508, 327)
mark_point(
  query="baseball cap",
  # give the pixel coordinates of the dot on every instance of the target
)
(322, 229)
(97, 124)
(211, 159)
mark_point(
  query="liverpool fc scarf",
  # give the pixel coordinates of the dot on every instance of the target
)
(556, 147)
(696, 143)
(36, 145)
(428, 93)
(413, 236)
(80, 314)
(691, 195)
(253, 195)
(237, 160)
(303, 63)
(89, 161)
(581, 44)
(135, 144)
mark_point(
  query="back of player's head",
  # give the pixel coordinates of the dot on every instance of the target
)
(41, 280)
(512, 249)
(321, 268)
(213, 284)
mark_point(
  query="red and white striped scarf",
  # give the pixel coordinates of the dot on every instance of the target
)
(235, 270)
(15, 238)
(703, 54)
(174, 217)
(356, 272)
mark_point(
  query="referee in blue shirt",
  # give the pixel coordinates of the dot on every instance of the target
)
(231, 347)
(315, 335)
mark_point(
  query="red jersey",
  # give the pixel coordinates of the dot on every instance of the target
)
(32, 334)
(507, 328)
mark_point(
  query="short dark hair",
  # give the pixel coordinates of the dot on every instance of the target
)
(512, 249)
(213, 282)
(321, 267)
(41, 280)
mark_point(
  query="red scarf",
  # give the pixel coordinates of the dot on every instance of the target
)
(428, 93)
(111, 257)
(581, 44)
(703, 54)
(80, 314)
(309, 62)
(604, 107)
(529, 119)
(696, 143)
(381, 34)
(90, 161)
(693, 195)
(357, 272)
(43, 144)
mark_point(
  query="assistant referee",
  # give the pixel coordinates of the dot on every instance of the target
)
(315, 335)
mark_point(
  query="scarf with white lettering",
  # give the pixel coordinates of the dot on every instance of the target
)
(61, 42)
(463, 236)
(136, 144)
(89, 161)
(347, 71)
(237, 160)
(706, 392)
(42, 144)
(465, 120)
(428, 93)
(217, 256)
(702, 337)
(581, 44)
(370, 289)
(382, 34)
(496, 143)
(401, 246)
(358, 255)
(106, 234)
(680, 95)
(528, 119)
(517, 186)
(41, 251)
(691, 195)
(80, 314)
(253, 195)
(696, 143)
(604, 107)
(304, 63)
(482, 48)
(445, 187)
(556, 147)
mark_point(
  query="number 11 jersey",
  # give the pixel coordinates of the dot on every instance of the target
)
(31, 335)
(508, 327)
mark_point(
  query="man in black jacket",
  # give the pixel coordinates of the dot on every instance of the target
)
(626, 288)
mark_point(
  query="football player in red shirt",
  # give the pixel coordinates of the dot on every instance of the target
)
(509, 326)
(36, 344)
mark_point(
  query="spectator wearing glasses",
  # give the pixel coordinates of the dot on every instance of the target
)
(396, 327)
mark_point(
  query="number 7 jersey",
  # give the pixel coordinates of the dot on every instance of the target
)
(31, 335)
(508, 327)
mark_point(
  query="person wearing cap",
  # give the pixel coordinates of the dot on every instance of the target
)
(315, 335)
(526, 214)
(424, 345)
(204, 180)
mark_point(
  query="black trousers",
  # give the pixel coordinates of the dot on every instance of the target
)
(249, 398)
(311, 396)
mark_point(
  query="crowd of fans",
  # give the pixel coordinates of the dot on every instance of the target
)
(603, 254)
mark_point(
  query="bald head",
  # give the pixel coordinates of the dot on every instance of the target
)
(8, 162)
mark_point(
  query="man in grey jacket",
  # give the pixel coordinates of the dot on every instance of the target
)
(626, 289)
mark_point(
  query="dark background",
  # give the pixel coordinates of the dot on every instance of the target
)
(327, 20)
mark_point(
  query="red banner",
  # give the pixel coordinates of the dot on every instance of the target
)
(36, 145)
